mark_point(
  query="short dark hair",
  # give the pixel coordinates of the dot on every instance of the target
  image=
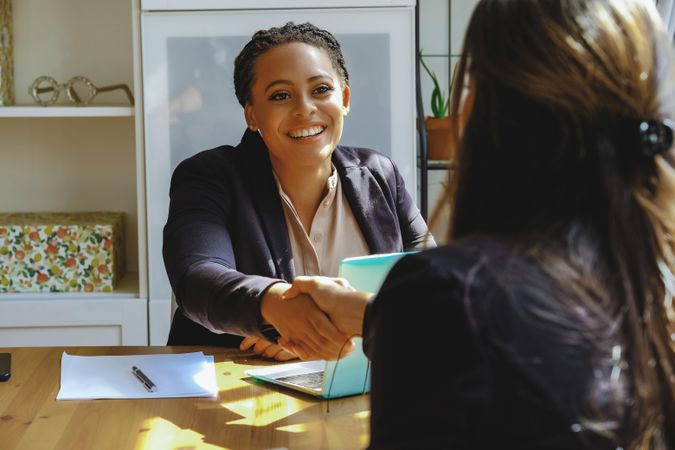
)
(264, 40)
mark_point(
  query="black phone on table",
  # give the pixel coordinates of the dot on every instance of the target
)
(5, 366)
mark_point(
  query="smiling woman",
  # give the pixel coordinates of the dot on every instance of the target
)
(288, 200)
(298, 102)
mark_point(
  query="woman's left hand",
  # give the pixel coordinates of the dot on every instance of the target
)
(265, 348)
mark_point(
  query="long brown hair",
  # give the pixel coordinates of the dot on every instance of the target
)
(550, 158)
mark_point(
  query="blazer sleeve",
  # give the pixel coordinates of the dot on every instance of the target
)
(415, 319)
(414, 231)
(199, 257)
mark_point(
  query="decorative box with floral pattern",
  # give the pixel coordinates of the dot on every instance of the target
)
(61, 252)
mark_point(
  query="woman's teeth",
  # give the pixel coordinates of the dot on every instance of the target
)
(306, 132)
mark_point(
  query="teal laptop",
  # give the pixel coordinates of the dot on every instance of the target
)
(349, 375)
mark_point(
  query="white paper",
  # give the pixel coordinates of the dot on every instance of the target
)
(175, 375)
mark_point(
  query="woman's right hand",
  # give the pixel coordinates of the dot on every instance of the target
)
(302, 322)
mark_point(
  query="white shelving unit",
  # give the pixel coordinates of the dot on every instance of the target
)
(66, 111)
(65, 158)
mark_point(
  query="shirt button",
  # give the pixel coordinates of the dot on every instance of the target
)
(317, 238)
(326, 204)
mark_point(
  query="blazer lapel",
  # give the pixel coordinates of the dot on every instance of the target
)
(257, 170)
(373, 213)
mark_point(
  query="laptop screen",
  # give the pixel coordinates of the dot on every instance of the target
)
(367, 273)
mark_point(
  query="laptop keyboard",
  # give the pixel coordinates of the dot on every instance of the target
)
(311, 380)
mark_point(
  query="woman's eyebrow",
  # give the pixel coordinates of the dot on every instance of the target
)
(310, 79)
(320, 76)
(275, 82)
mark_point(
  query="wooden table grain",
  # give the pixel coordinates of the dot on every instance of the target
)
(246, 414)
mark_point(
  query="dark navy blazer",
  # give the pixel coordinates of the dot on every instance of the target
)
(226, 241)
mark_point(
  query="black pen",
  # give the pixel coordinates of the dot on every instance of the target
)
(147, 382)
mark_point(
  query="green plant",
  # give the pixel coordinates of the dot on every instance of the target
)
(439, 100)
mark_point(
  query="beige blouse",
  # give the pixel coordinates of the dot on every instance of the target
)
(334, 234)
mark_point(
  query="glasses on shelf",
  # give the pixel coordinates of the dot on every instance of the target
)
(45, 90)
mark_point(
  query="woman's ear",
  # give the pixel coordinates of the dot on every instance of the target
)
(249, 116)
(346, 93)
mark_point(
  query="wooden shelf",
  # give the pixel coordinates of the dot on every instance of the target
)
(127, 288)
(66, 111)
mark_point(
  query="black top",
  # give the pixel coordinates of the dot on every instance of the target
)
(508, 381)
(226, 239)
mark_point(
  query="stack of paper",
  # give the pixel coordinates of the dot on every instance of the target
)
(174, 375)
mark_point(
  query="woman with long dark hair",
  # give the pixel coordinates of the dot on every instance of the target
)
(553, 304)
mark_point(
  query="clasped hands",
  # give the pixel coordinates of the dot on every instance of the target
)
(316, 317)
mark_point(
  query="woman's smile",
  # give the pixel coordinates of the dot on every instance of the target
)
(307, 133)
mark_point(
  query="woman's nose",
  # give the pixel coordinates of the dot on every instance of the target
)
(304, 106)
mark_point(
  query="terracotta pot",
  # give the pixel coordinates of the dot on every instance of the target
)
(439, 144)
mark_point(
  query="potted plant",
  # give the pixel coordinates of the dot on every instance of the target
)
(439, 144)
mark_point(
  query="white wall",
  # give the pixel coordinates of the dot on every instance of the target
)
(667, 10)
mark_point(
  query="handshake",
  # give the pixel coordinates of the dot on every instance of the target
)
(316, 317)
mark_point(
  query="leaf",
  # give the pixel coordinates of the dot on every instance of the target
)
(439, 101)
(444, 108)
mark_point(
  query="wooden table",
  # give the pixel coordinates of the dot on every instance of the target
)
(246, 413)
